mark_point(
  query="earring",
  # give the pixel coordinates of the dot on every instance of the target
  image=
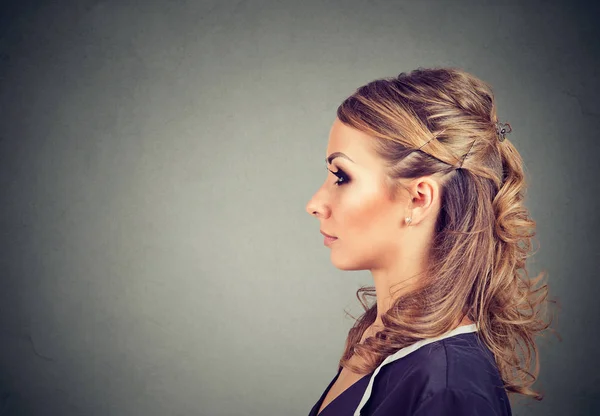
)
(408, 220)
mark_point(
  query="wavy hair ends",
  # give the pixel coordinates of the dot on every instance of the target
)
(442, 121)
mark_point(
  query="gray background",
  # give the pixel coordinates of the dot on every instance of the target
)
(156, 160)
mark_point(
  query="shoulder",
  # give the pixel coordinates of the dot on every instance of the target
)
(454, 373)
(453, 401)
(460, 362)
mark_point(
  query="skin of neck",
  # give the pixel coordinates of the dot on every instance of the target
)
(401, 274)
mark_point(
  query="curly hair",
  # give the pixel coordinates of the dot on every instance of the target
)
(443, 121)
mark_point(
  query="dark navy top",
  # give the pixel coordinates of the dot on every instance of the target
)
(451, 375)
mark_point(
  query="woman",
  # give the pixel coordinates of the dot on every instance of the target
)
(426, 192)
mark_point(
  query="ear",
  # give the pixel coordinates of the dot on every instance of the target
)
(425, 196)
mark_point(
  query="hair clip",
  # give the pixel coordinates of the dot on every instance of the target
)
(502, 130)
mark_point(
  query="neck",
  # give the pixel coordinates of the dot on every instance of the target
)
(403, 277)
(383, 285)
(391, 283)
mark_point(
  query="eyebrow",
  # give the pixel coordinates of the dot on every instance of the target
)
(332, 156)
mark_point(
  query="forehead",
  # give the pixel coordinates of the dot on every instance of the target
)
(353, 143)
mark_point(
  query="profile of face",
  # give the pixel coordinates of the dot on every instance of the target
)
(354, 204)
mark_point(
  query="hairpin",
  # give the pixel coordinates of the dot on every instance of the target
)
(502, 130)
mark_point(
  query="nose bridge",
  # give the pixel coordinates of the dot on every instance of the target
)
(317, 202)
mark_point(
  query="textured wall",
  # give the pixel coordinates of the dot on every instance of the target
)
(155, 162)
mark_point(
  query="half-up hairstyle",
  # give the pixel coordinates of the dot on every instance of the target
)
(443, 121)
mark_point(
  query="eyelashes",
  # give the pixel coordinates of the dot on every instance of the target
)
(342, 177)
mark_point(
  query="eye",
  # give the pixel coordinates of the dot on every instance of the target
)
(343, 178)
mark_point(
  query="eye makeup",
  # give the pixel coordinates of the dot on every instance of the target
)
(342, 176)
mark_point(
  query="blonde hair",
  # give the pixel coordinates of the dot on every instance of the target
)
(442, 121)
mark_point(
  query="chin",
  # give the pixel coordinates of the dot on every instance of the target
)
(349, 268)
(348, 263)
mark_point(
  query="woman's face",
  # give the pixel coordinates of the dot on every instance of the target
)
(354, 204)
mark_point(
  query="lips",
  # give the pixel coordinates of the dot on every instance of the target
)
(329, 239)
(327, 235)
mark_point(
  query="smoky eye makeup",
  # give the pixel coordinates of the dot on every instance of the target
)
(341, 175)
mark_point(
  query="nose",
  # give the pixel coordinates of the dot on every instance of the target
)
(316, 206)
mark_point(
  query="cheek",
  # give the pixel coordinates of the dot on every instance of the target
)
(366, 226)
(362, 213)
